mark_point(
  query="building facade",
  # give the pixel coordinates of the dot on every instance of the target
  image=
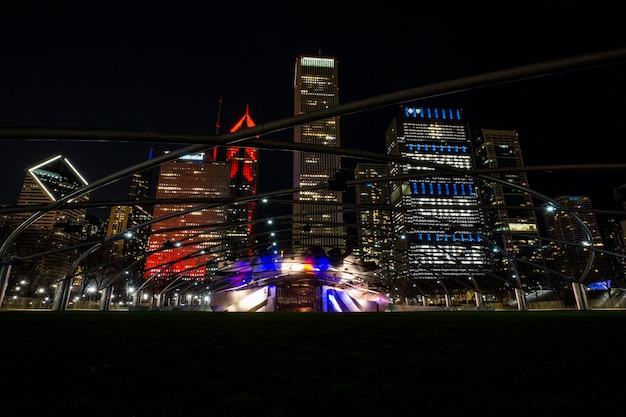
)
(185, 242)
(374, 226)
(55, 233)
(317, 214)
(435, 211)
(243, 165)
(132, 248)
(509, 210)
(568, 251)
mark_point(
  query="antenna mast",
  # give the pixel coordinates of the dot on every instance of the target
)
(217, 123)
(217, 126)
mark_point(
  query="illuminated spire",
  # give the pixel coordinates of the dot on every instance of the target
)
(246, 118)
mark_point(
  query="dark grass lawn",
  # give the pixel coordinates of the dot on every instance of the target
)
(82, 363)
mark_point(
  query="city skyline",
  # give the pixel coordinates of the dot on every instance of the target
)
(315, 121)
(131, 76)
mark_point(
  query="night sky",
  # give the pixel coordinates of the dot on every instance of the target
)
(158, 68)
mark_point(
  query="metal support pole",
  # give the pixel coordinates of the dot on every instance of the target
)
(137, 298)
(521, 300)
(62, 295)
(5, 273)
(479, 298)
(105, 299)
(580, 295)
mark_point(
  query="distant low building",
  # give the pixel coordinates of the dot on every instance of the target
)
(314, 281)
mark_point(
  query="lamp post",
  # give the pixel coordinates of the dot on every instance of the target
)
(446, 294)
(477, 293)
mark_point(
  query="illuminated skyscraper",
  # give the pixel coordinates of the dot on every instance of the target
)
(569, 254)
(436, 213)
(45, 183)
(317, 215)
(134, 247)
(511, 216)
(374, 217)
(192, 240)
(243, 164)
(616, 238)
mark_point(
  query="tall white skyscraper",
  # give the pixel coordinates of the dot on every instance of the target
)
(317, 214)
(436, 212)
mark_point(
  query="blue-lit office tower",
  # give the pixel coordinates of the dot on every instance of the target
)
(317, 216)
(374, 217)
(568, 252)
(435, 211)
(54, 234)
(509, 209)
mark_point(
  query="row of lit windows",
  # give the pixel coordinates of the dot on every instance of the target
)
(459, 216)
(425, 147)
(317, 93)
(413, 132)
(323, 77)
(49, 174)
(320, 127)
(441, 189)
(474, 253)
(318, 196)
(312, 180)
(420, 202)
(459, 161)
(430, 113)
(444, 237)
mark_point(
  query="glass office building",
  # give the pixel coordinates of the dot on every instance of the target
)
(435, 207)
(374, 217)
(317, 214)
(510, 212)
(185, 242)
(54, 233)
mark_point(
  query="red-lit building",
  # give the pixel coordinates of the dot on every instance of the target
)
(185, 240)
(185, 243)
(242, 162)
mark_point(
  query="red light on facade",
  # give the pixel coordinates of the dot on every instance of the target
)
(232, 152)
(245, 119)
(233, 168)
(252, 153)
(247, 172)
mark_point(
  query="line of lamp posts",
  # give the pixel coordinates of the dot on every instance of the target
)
(63, 291)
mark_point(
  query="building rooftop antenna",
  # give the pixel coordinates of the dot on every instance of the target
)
(217, 126)
(219, 111)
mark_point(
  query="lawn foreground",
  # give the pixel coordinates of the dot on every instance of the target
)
(290, 364)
